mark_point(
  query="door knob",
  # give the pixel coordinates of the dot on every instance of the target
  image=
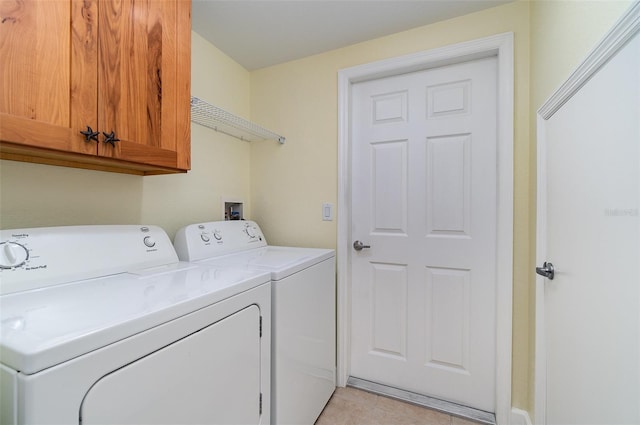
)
(359, 246)
(546, 270)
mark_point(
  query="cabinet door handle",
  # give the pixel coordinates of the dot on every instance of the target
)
(90, 135)
(111, 138)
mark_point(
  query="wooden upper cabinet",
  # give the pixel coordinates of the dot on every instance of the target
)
(118, 66)
(37, 83)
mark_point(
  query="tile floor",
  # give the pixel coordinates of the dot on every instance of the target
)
(350, 406)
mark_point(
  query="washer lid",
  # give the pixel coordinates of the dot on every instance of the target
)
(44, 327)
(281, 261)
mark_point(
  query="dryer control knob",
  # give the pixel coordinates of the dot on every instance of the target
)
(12, 255)
(217, 234)
(205, 237)
(149, 241)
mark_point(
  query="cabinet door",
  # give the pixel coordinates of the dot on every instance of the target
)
(47, 97)
(143, 80)
(113, 65)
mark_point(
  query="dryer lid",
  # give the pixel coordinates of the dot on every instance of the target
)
(44, 327)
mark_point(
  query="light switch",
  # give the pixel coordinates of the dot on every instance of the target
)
(327, 212)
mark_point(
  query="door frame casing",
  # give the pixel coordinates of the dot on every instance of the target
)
(622, 31)
(500, 46)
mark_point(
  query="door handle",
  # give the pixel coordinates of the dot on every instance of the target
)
(359, 246)
(546, 270)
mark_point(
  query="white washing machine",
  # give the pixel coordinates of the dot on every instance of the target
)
(103, 324)
(303, 323)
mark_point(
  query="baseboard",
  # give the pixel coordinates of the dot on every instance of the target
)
(520, 417)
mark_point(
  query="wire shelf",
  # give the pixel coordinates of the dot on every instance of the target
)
(225, 122)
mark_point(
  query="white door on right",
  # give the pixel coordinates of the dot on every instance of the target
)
(592, 232)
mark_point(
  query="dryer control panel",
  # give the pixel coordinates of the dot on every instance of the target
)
(215, 238)
(47, 256)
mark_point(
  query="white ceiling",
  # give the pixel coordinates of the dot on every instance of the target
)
(260, 33)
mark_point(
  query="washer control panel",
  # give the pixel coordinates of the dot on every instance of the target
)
(46, 256)
(215, 238)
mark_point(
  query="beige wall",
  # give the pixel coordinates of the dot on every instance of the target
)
(562, 35)
(33, 195)
(299, 100)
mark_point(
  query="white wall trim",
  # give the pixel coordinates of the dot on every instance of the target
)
(622, 31)
(500, 45)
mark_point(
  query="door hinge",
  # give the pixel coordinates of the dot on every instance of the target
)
(260, 326)
(260, 403)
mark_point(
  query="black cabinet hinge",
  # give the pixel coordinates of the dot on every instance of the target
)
(261, 403)
(260, 326)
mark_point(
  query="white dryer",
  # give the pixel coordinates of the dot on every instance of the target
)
(303, 310)
(103, 324)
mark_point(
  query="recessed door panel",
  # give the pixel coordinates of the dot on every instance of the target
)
(448, 185)
(448, 99)
(389, 175)
(390, 107)
(447, 319)
(389, 309)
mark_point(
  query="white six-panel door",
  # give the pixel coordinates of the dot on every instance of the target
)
(424, 198)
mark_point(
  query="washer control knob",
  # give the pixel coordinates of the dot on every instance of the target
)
(149, 241)
(251, 231)
(205, 237)
(217, 234)
(12, 255)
